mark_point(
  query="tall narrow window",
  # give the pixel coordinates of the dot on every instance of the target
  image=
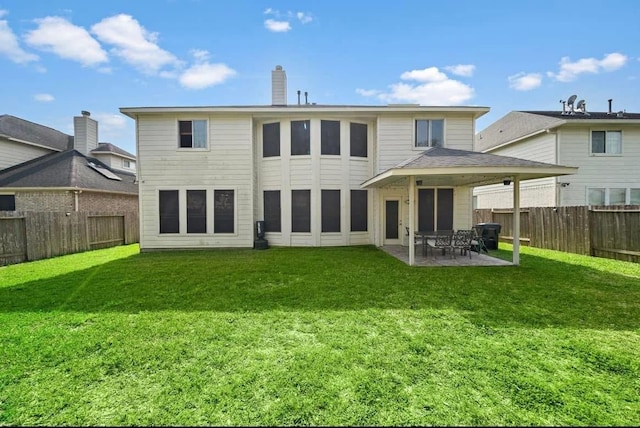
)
(609, 142)
(169, 211)
(223, 211)
(7, 202)
(330, 137)
(330, 210)
(193, 133)
(196, 211)
(300, 137)
(272, 213)
(271, 139)
(435, 209)
(301, 211)
(359, 210)
(358, 140)
(429, 133)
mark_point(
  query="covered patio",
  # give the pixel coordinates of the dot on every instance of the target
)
(437, 166)
(438, 259)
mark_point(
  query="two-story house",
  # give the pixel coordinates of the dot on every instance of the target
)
(605, 146)
(318, 175)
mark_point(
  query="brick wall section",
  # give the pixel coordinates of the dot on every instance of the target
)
(56, 201)
(45, 201)
(97, 202)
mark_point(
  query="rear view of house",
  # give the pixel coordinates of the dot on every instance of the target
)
(317, 175)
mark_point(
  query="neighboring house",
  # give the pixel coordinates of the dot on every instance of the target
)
(318, 175)
(44, 174)
(605, 146)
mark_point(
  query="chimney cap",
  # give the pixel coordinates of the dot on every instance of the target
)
(278, 67)
(85, 113)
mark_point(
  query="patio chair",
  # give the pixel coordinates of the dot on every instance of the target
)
(462, 241)
(477, 242)
(417, 240)
(441, 240)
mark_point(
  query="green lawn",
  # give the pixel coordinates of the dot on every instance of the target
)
(318, 336)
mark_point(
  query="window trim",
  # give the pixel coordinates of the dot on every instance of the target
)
(192, 148)
(429, 119)
(605, 153)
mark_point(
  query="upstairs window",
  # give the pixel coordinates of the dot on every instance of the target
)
(300, 137)
(429, 133)
(193, 134)
(330, 137)
(609, 142)
(358, 140)
(271, 139)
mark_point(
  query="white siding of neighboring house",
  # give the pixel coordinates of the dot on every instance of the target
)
(314, 172)
(600, 171)
(226, 164)
(538, 192)
(13, 153)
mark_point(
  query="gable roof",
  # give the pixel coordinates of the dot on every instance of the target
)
(67, 170)
(439, 166)
(113, 149)
(14, 128)
(517, 125)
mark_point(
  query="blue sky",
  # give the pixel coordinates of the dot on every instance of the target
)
(60, 57)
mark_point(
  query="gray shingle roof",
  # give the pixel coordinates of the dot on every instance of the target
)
(20, 129)
(110, 148)
(68, 169)
(518, 124)
(438, 157)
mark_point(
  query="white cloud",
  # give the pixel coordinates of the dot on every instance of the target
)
(569, 71)
(134, 44)
(277, 26)
(465, 70)
(525, 81)
(9, 46)
(43, 98)
(433, 87)
(304, 18)
(200, 76)
(57, 35)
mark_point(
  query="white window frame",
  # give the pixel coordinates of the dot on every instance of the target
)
(430, 120)
(606, 132)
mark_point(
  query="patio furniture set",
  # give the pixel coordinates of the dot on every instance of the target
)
(463, 240)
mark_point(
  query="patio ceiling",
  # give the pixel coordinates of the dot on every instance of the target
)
(449, 167)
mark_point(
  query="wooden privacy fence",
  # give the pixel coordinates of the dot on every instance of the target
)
(604, 231)
(26, 236)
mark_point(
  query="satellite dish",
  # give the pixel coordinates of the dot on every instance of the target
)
(580, 105)
(571, 100)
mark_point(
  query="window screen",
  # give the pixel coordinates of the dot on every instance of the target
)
(7, 203)
(300, 137)
(272, 211)
(358, 140)
(169, 211)
(330, 210)
(359, 210)
(223, 211)
(196, 211)
(271, 139)
(193, 133)
(330, 137)
(301, 211)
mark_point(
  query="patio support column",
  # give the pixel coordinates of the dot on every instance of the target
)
(516, 220)
(412, 247)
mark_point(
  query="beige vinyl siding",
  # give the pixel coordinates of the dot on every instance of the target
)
(13, 153)
(459, 132)
(226, 164)
(539, 192)
(604, 171)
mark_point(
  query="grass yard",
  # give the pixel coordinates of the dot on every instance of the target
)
(318, 336)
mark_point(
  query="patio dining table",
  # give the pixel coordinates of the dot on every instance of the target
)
(424, 236)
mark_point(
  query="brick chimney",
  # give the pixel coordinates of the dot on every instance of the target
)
(85, 133)
(278, 87)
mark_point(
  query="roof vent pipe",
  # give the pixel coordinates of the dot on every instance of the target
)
(305, 97)
(564, 104)
(298, 96)
(610, 100)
